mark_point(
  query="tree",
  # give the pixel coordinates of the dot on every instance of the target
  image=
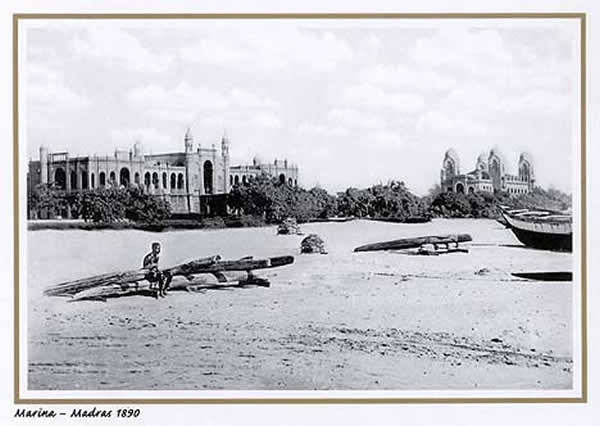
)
(45, 198)
(326, 204)
(274, 201)
(109, 205)
(392, 200)
(145, 208)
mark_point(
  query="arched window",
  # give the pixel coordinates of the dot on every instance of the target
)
(60, 179)
(124, 178)
(84, 180)
(155, 180)
(164, 180)
(93, 181)
(147, 179)
(231, 180)
(180, 181)
(460, 188)
(236, 180)
(73, 180)
(136, 178)
(173, 181)
(244, 181)
(208, 177)
(102, 179)
(290, 181)
(282, 178)
(112, 178)
(295, 182)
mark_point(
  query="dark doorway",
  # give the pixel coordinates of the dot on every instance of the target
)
(124, 178)
(60, 179)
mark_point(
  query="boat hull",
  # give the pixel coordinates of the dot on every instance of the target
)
(542, 235)
(544, 241)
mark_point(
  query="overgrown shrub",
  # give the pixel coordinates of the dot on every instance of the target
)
(485, 204)
(273, 201)
(391, 201)
(109, 205)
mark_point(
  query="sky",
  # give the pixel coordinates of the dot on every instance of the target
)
(353, 103)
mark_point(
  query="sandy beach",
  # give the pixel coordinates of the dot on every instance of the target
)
(338, 321)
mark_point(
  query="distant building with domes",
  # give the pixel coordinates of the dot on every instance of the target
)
(489, 174)
(190, 180)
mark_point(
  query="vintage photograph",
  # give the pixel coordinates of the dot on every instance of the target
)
(290, 204)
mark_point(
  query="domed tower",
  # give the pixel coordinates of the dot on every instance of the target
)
(450, 169)
(225, 156)
(482, 162)
(451, 165)
(526, 173)
(496, 168)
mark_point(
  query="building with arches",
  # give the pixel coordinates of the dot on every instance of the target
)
(489, 174)
(284, 171)
(191, 180)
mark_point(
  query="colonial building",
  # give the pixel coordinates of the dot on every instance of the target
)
(285, 172)
(489, 174)
(190, 180)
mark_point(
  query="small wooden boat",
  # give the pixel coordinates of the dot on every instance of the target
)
(545, 276)
(408, 243)
(541, 229)
(409, 219)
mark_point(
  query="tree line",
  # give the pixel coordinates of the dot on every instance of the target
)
(266, 200)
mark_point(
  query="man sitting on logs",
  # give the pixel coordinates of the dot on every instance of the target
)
(154, 275)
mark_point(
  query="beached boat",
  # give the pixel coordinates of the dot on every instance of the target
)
(416, 242)
(541, 229)
(410, 219)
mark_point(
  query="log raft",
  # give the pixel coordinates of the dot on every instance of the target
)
(198, 274)
(409, 243)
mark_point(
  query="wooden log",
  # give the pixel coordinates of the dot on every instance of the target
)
(407, 243)
(196, 283)
(73, 287)
(212, 265)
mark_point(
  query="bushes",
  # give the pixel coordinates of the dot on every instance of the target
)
(273, 201)
(46, 200)
(485, 204)
(109, 205)
(267, 198)
(551, 199)
(391, 201)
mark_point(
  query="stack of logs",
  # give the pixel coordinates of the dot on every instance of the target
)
(197, 275)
